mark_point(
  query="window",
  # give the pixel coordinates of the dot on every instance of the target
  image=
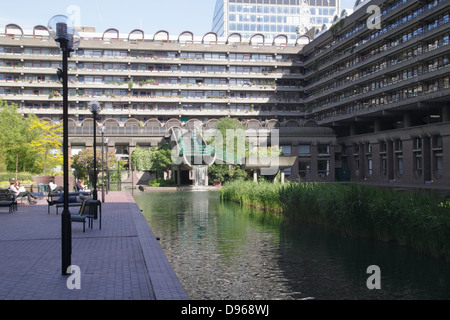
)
(399, 167)
(286, 150)
(323, 149)
(287, 172)
(323, 168)
(369, 166)
(304, 168)
(304, 150)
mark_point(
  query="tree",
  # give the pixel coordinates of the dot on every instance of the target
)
(47, 144)
(225, 172)
(162, 159)
(157, 159)
(232, 133)
(83, 163)
(16, 139)
(141, 159)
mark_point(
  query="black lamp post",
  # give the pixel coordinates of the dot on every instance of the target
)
(69, 40)
(94, 106)
(103, 130)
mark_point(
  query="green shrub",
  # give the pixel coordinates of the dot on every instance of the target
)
(161, 183)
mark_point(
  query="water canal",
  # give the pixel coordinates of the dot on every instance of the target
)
(221, 251)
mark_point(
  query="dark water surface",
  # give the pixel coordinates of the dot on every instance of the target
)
(221, 251)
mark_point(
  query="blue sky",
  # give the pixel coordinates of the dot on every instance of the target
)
(175, 16)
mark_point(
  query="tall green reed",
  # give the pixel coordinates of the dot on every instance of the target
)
(413, 219)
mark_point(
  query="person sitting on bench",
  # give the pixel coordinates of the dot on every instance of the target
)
(21, 192)
(72, 199)
(53, 187)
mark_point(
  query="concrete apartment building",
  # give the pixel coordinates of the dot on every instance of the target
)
(354, 103)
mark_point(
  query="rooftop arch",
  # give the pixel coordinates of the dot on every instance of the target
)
(186, 32)
(111, 30)
(308, 38)
(210, 33)
(136, 31)
(258, 35)
(234, 34)
(280, 36)
(41, 28)
(161, 31)
(14, 26)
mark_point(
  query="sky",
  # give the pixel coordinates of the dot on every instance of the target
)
(174, 16)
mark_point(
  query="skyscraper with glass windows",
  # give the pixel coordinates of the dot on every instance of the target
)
(271, 17)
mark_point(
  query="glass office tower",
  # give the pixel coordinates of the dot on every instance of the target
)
(271, 17)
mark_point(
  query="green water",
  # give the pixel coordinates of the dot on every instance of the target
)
(222, 251)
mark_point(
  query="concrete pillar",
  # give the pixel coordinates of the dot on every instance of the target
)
(377, 125)
(445, 113)
(282, 176)
(407, 121)
(255, 175)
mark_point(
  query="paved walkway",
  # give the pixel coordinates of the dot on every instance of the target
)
(122, 261)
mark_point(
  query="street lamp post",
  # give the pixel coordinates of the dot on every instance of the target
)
(94, 106)
(103, 130)
(107, 167)
(69, 40)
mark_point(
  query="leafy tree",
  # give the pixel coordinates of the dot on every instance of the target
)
(225, 173)
(141, 159)
(162, 159)
(232, 133)
(16, 139)
(157, 159)
(47, 144)
(83, 163)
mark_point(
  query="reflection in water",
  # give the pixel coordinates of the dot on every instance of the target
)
(223, 251)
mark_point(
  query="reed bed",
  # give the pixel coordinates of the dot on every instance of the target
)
(408, 218)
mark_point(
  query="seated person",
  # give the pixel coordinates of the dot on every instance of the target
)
(72, 199)
(80, 186)
(53, 187)
(21, 192)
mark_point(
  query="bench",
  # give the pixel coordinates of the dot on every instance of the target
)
(88, 211)
(7, 199)
(52, 199)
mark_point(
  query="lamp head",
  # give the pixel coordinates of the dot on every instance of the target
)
(61, 29)
(94, 107)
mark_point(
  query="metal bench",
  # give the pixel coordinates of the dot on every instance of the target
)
(7, 199)
(52, 199)
(88, 211)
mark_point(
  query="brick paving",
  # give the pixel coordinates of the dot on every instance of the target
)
(122, 261)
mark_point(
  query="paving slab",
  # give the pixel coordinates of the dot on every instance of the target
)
(122, 261)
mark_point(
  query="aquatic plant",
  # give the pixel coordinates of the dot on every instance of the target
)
(418, 220)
